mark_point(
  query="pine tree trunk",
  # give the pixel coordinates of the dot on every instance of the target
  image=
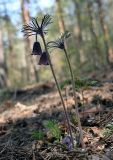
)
(60, 16)
(3, 66)
(105, 30)
(79, 31)
(96, 55)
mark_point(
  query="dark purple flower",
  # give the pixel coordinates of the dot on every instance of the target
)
(36, 49)
(43, 59)
(67, 141)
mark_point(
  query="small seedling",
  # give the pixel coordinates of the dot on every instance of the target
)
(38, 135)
(79, 83)
(54, 129)
(108, 130)
(83, 83)
(65, 83)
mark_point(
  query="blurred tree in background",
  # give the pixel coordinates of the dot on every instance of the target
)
(89, 48)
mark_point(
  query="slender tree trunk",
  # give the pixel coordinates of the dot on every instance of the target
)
(96, 55)
(79, 31)
(105, 30)
(61, 23)
(11, 55)
(3, 66)
(60, 16)
(28, 46)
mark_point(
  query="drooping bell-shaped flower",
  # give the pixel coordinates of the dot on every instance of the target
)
(36, 49)
(43, 59)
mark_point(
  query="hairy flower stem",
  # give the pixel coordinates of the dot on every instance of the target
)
(36, 37)
(59, 90)
(75, 99)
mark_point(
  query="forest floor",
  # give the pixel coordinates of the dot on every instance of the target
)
(24, 113)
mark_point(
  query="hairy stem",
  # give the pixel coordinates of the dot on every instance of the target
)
(59, 90)
(36, 37)
(75, 99)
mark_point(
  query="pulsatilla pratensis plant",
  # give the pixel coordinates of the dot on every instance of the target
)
(61, 44)
(34, 28)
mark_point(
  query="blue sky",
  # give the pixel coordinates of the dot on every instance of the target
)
(46, 3)
(13, 7)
